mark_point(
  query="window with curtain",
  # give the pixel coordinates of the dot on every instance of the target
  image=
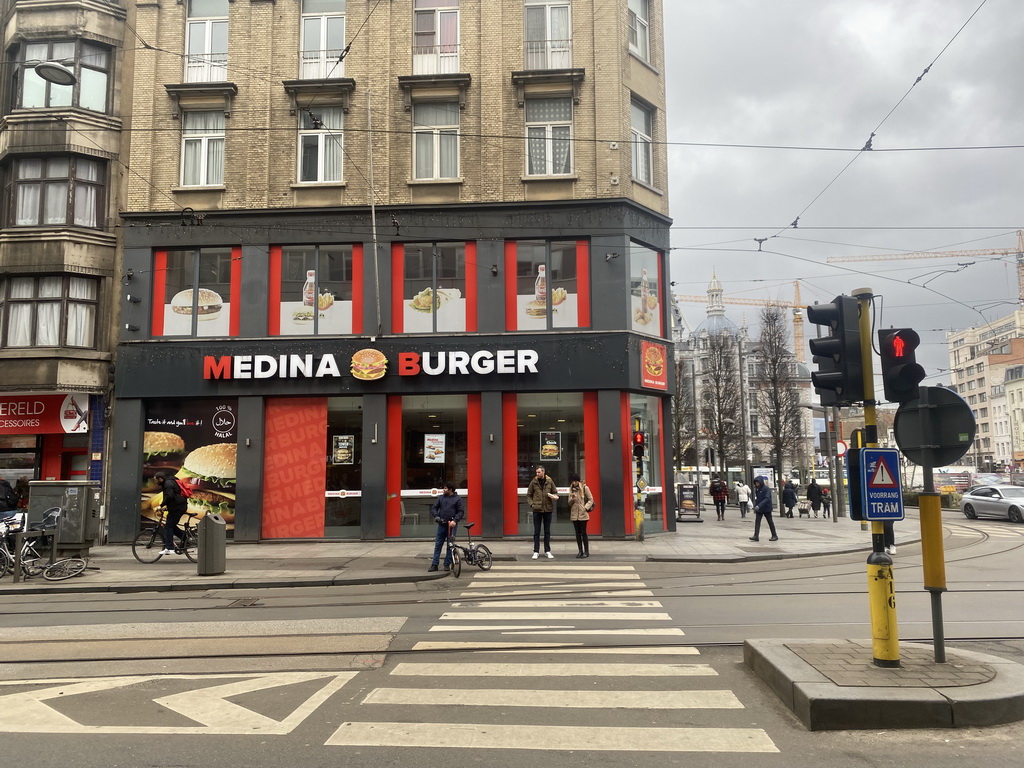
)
(320, 144)
(90, 63)
(548, 35)
(202, 150)
(639, 28)
(548, 137)
(206, 41)
(48, 311)
(435, 37)
(641, 132)
(323, 39)
(56, 192)
(435, 140)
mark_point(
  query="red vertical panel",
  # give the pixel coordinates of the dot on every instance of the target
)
(511, 324)
(397, 289)
(510, 463)
(50, 465)
(234, 321)
(592, 449)
(159, 291)
(293, 468)
(474, 460)
(471, 287)
(583, 282)
(393, 471)
(274, 292)
(358, 267)
(664, 479)
(627, 467)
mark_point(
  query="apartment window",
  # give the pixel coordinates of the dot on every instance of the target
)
(639, 28)
(970, 370)
(88, 61)
(202, 150)
(983, 413)
(435, 37)
(56, 191)
(981, 382)
(641, 131)
(323, 39)
(206, 41)
(970, 386)
(436, 140)
(548, 35)
(320, 144)
(981, 367)
(982, 397)
(754, 425)
(48, 311)
(548, 137)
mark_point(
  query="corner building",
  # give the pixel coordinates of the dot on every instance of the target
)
(385, 246)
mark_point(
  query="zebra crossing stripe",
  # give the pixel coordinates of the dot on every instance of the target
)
(471, 669)
(471, 645)
(549, 737)
(554, 584)
(505, 697)
(564, 566)
(653, 631)
(556, 591)
(553, 603)
(554, 616)
(549, 575)
(489, 627)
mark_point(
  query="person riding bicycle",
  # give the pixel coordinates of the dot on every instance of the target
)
(176, 506)
(447, 512)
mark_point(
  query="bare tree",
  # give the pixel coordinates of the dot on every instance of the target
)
(684, 427)
(778, 394)
(720, 398)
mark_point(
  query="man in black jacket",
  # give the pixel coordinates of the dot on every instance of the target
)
(447, 512)
(176, 506)
(8, 499)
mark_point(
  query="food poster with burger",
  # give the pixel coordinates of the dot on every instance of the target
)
(645, 290)
(194, 441)
(551, 446)
(197, 292)
(316, 290)
(653, 370)
(539, 276)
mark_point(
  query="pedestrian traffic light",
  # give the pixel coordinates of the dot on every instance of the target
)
(638, 444)
(901, 373)
(839, 379)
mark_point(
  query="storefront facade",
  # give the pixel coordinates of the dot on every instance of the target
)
(348, 389)
(50, 436)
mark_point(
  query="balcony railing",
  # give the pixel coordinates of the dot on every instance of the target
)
(320, 65)
(435, 59)
(548, 54)
(209, 68)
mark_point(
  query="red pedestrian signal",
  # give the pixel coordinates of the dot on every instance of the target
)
(901, 374)
(639, 441)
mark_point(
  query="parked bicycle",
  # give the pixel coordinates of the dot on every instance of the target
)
(149, 543)
(32, 560)
(473, 554)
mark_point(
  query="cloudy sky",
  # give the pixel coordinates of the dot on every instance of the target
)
(803, 82)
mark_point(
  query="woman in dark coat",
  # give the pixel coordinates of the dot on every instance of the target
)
(789, 499)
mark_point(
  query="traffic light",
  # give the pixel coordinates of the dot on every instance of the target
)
(839, 379)
(638, 445)
(901, 373)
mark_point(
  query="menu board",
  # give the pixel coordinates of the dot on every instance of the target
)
(550, 446)
(433, 449)
(344, 449)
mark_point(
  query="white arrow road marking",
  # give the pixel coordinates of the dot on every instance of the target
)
(582, 738)
(27, 711)
(463, 669)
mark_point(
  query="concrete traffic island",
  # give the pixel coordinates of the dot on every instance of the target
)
(833, 685)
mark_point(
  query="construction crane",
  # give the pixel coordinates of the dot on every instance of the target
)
(796, 306)
(1018, 252)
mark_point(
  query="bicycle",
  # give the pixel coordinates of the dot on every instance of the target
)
(32, 562)
(149, 542)
(474, 554)
(67, 568)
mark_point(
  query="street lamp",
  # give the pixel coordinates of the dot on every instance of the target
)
(55, 72)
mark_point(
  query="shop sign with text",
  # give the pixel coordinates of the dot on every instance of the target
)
(44, 414)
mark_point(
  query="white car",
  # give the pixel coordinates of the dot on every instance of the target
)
(1003, 501)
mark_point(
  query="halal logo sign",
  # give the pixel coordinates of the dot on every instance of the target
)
(224, 422)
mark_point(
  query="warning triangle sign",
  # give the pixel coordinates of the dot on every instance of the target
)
(882, 477)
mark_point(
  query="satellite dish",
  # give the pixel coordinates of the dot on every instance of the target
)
(55, 73)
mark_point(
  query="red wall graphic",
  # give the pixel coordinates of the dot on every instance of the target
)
(294, 468)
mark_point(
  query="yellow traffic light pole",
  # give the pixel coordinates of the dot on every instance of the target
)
(881, 586)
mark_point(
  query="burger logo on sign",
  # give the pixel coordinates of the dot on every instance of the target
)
(369, 364)
(654, 361)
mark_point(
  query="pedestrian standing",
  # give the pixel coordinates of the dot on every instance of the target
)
(763, 507)
(814, 496)
(743, 497)
(789, 499)
(826, 502)
(720, 495)
(541, 495)
(447, 511)
(581, 502)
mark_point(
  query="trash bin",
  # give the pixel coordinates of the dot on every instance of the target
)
(212, 538)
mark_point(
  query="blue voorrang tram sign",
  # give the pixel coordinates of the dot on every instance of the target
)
(880, 484)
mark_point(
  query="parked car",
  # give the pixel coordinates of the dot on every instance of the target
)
(1002, 501)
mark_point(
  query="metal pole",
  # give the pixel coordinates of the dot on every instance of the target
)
(930, 506)
(696, 418)
(743, 414)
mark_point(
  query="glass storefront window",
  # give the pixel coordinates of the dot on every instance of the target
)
(546, 285)
(434, 452)
(343, 491)
(18, 457)
(645, 290)
(316, 290)
(434, 299)
(644, 415)
(197, 292)
(550, 434)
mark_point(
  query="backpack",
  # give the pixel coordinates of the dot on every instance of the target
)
(186, 490)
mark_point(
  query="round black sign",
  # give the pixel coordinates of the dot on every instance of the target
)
(937, 428)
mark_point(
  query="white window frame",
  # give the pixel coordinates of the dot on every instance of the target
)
(317, 59)
(205, 65)
(549, 128)
(440, 57)
(331, 122)
(548, 52)
(211, 172)
(640, 29)
(437, 132)
(49, 311)
(642, 141)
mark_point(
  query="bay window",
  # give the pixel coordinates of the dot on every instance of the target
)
(56, 191)
(48, 311)
(323, 39)
(89, 62)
